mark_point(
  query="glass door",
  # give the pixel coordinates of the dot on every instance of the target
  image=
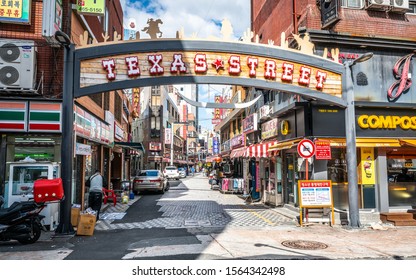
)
(290, 186)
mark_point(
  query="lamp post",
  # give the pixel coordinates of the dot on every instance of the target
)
(172, 137)
(67, 145)
(350, 135)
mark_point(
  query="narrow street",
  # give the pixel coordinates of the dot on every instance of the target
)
(193, 222)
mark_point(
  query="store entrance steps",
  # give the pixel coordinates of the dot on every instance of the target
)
(399, 218)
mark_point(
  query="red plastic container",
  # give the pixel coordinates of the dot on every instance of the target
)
(47, 190)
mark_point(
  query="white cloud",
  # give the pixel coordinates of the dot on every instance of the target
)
(202, 17)
(195, 17)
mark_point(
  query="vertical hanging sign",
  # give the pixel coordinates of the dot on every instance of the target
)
(367, 166)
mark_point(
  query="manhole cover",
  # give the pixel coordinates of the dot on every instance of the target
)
(304, 244)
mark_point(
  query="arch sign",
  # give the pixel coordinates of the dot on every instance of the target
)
(109, 66)
(130, 64)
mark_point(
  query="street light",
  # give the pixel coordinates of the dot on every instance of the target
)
(172, 137)
(67, 145)
(350, 135)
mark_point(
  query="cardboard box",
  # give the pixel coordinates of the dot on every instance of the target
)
(86, 224)
(75, 216)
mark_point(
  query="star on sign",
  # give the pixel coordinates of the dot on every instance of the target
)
(218, 63)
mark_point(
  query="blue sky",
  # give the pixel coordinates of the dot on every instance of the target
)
(198, 17)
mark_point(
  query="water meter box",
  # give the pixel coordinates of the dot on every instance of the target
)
(47, 190)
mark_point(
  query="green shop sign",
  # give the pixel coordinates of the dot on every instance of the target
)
(91, 7)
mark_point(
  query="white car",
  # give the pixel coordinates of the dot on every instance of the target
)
(171, 172)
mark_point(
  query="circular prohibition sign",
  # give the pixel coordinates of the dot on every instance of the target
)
(306, 148)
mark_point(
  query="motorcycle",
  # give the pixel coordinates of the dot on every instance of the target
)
(21, 221)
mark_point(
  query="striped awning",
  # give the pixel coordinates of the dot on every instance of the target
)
(260, 150)
(240, 152)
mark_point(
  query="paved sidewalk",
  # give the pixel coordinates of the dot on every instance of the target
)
(248, 232)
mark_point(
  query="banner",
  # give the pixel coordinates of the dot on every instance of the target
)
(367, 166)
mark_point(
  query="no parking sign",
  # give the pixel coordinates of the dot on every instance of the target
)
(306, 148)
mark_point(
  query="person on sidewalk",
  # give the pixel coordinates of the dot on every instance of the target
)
(96, 183)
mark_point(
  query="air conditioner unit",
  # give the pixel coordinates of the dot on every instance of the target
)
(400, 6)
(378, 5)
(17, 64)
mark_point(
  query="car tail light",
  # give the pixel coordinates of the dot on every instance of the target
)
(154, 181)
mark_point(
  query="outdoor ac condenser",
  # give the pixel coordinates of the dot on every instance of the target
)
(17, 64)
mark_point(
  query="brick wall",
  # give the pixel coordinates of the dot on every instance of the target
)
(271, 17)
(49, 60)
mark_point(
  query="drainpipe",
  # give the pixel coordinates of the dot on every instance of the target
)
(295, 18)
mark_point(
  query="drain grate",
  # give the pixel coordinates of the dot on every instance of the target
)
(304, 244)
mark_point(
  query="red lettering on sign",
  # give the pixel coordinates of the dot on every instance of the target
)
(109, 65)
(155, 60)
(132, 63)
(404, 82)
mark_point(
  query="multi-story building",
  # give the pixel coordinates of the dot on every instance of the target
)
(31, 74)
(384, 98)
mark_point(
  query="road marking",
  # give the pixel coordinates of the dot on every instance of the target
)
(261, 217)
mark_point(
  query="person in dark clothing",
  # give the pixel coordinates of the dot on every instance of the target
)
(96, 182)
(403, 177)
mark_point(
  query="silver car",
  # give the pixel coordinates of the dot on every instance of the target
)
(150, 180)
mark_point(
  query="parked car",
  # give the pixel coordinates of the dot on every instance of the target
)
(150, 180)
(171, 172)
(182, 172)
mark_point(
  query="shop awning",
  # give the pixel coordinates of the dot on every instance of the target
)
(408, 142)
(131, 145)
(366, 142)
(240, 152)
(260, 150)
(275, 148)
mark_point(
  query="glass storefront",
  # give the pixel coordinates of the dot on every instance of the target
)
(402, 180)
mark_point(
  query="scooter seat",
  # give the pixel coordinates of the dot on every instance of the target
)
(16, 208)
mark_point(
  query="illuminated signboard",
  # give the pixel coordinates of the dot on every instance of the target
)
(91, 7)
(15, 11)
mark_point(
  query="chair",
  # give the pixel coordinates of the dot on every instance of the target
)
(109, 194)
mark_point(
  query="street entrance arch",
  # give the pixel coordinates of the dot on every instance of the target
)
(117, 65)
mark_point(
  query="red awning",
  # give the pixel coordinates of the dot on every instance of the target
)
(240, 152)
(260, 150)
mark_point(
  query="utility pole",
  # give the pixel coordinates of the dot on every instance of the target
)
(350, 136)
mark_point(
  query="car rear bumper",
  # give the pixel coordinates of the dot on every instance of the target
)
(148, 187)
(172, 176)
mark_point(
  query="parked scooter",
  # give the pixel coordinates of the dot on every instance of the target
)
(21, 221)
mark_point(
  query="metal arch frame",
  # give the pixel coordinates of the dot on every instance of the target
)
(272, 52)
(72, 89)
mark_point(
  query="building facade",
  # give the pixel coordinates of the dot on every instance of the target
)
(31, 67)
(383, 96)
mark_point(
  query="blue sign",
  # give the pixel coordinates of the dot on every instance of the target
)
(215, 146)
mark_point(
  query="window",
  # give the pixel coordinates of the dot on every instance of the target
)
(412, 7)
(105, 21)
(118, 107)
(155, 100)
(356, 4)
(97, 98)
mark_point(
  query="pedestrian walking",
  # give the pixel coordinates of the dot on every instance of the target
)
(192, 170)
(96, 183)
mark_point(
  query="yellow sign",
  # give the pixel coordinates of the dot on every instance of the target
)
(391, 122)
(91, 7)
(367, 166)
